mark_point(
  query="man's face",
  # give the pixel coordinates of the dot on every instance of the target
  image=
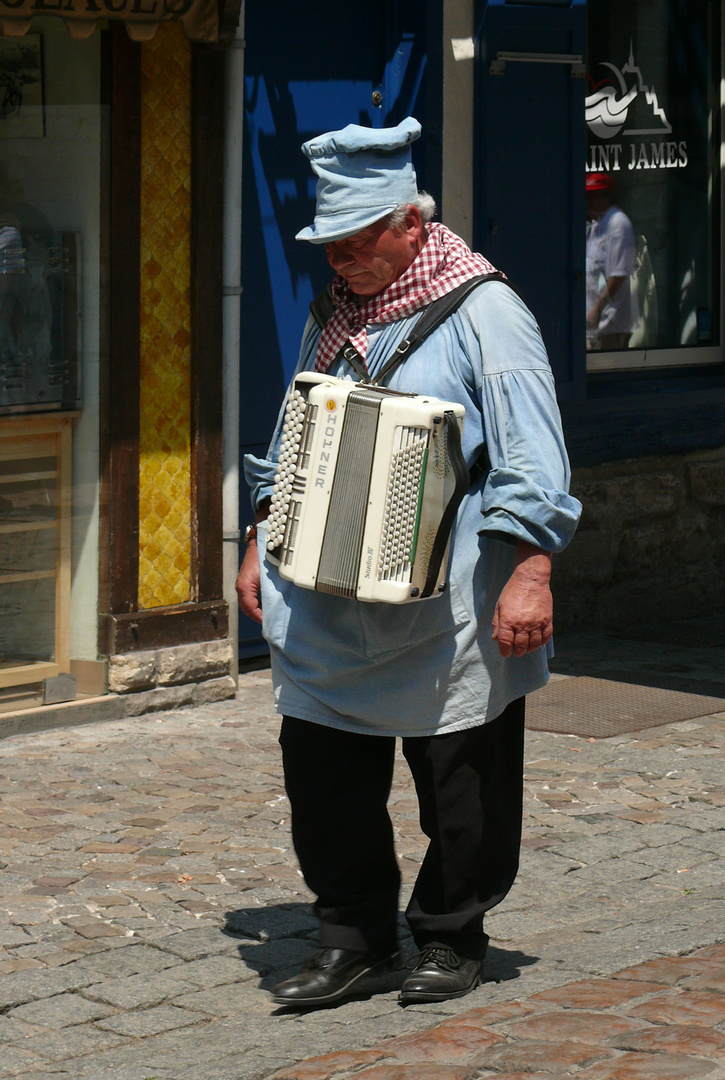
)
(377, 256)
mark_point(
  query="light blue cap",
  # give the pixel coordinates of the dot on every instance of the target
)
(363, 174)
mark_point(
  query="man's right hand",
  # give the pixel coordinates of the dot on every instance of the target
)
(248, 584)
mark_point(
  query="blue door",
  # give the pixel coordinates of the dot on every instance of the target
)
(530, 210)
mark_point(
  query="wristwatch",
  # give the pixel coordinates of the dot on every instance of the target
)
(250, 533)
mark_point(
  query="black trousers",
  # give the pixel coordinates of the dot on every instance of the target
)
(470, 790)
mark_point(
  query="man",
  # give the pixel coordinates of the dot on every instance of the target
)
(449, 675)
(610, 263)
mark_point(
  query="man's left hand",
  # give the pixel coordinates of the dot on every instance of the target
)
(523, 620)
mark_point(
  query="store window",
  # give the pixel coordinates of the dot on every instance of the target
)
(51, 148)
(653, 230)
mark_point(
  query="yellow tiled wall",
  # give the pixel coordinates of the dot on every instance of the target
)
(165, 439)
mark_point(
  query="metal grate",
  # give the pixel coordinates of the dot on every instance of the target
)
(600, 708)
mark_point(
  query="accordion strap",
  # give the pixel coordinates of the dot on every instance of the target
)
(460, 471)
(430, 320)
(350, 353)
(323, 307)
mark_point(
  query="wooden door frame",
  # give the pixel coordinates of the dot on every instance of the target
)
(122, 627)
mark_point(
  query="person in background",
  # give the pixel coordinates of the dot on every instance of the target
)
(610, 263)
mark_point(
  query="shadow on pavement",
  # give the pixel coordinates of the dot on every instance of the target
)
(276, 940)
(503, 965)
(687, 655)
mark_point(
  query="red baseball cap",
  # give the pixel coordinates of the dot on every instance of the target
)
(598, 181)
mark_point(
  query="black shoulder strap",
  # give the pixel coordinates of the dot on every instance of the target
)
(323, 306)
(432, 317)
(462, 484)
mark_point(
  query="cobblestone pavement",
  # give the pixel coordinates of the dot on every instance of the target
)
(149, 900)
(660, 1020)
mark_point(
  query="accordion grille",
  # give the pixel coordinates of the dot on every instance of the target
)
(402, 507)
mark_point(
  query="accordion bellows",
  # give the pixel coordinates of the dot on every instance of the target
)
(366, 490)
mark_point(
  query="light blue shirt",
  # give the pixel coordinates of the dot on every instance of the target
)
(431, 667)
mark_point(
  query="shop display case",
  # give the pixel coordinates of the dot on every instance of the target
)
(35, 569)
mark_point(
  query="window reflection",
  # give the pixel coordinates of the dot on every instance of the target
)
(651, 109)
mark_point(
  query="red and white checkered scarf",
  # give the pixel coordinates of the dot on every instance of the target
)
(444, 262)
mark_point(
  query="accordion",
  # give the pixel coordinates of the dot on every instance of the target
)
(366, 491)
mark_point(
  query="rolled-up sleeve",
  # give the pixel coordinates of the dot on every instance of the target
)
(526, 494)
(259, 474)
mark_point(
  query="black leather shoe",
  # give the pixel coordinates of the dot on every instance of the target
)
(439, 974)
(331, 976)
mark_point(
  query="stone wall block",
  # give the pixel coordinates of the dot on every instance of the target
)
(707, 482)
(649, 546)
(626, 499)
(194, 663)
(204, 693)
(661, 552)
(131, 672)
(627, 604)
(590, 558)
(162, 697)
(596, 509)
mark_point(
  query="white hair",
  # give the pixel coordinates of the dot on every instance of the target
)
(423, 202)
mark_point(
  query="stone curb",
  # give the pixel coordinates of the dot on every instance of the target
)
(660, 1020)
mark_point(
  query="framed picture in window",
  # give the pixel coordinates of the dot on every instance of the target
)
(21, 87)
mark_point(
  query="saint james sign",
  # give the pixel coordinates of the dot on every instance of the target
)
(624, 112)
